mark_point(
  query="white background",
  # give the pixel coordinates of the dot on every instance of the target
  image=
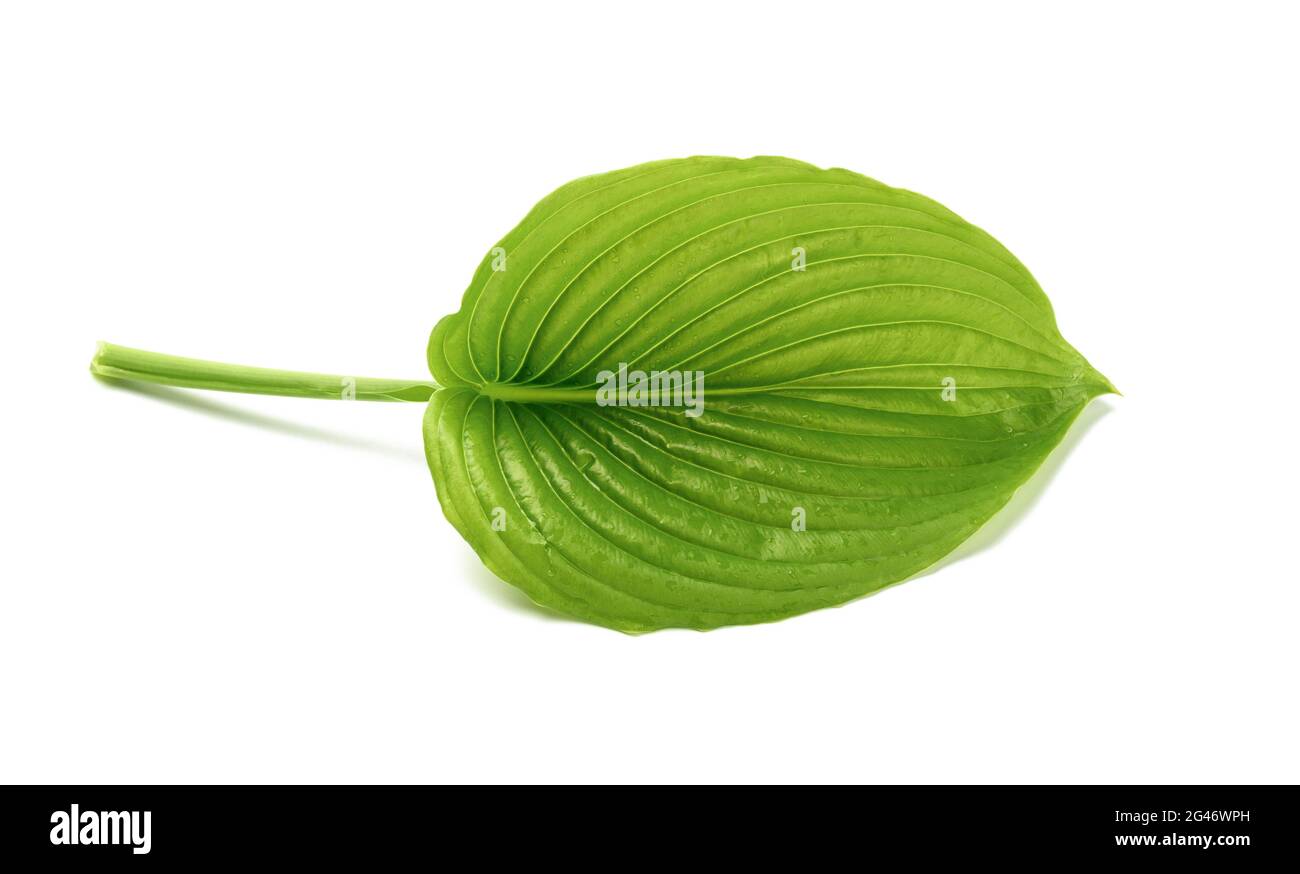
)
(203, 587)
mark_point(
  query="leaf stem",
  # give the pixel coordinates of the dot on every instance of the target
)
(121, 362)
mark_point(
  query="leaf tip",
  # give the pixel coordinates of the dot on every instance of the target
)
(1102, 386)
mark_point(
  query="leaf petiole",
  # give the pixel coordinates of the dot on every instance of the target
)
(121, 362)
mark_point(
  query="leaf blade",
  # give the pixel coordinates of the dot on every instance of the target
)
(826, 398)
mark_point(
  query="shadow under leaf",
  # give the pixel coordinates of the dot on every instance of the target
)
(190, 400)
(1028, 495)
(505, 594)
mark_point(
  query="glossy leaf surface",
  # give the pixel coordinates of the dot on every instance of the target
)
(880, 376)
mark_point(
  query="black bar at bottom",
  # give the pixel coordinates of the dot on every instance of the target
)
(107, 824)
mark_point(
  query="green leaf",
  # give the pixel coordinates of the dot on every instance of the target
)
(879, 377)
(891, 395)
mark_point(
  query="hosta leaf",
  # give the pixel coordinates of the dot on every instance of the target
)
(880, 376)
